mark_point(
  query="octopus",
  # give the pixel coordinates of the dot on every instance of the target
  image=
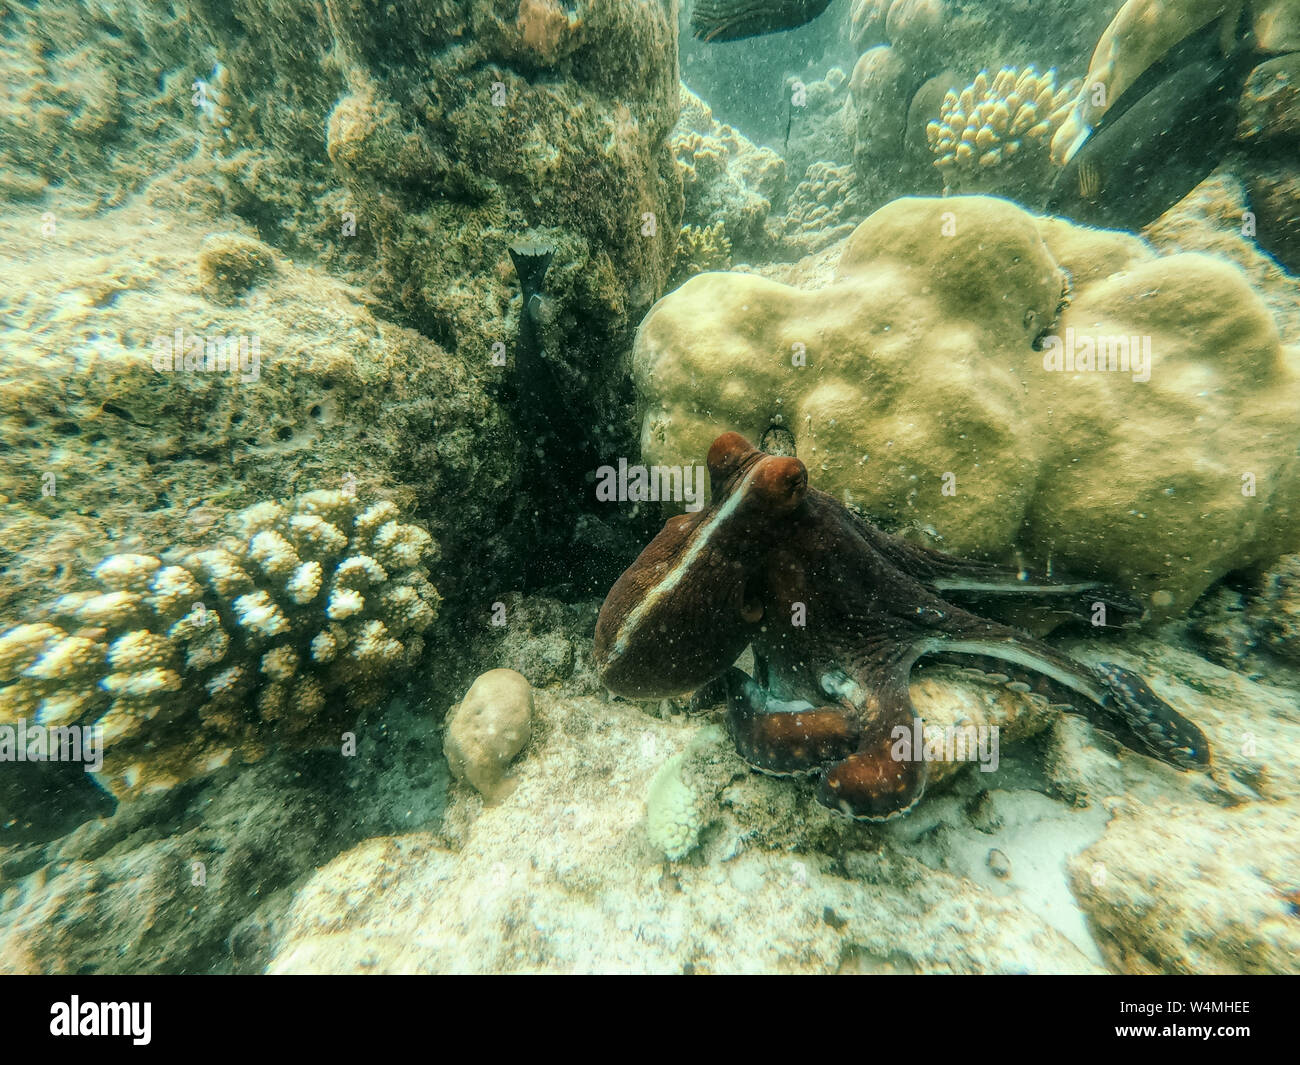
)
(837, 613)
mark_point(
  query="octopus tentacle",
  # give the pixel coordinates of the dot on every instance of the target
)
(837, 612)
(873, 783)
(984, 582)
(1116, 700)
(1140, 719)
(786, 739)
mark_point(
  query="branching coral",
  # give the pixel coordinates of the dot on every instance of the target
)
(994, 135)
(701, 157)
(725, 177)
(278, 635)
(822, 206)
(700, 248)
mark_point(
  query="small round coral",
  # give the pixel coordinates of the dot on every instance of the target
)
(488, 728)
(674, 811)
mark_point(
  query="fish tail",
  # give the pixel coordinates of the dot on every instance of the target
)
(531, 263)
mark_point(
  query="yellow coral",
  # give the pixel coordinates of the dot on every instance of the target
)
(127, 573)
(139, 649)
(700, 248)
(993, 135)
(822, 205)
(20, 647)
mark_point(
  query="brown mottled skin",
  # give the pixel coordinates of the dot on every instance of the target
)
(837, 612)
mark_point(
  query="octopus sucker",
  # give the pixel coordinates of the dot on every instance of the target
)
(784, 739)
(830, 692)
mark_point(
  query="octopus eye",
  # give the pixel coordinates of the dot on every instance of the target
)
(725, 456)
(781, 484)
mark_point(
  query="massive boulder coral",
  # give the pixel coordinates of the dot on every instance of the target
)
(277, 636)
(487, 728)
(928, 384)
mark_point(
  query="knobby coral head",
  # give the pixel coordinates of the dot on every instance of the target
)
(692, 600)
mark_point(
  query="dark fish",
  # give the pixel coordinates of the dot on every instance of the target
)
(535, 386)
(1156, 143)
(531, 263)
(734, 20)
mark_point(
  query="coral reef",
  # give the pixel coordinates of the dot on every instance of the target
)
(727, 180)
(1270, 130)
(881, 78)
(823, 208)
(161, 886)
(993, 135)
(488, 728)
(700, 248)
(1231, 871)
(1275, 611)
(230, 264)
(106, 452)
(816, 119)
(1252, 621)
(1269, 111)
(911, 52)
(561, 875)
(673, 812)
(1215, 219)
(401, 150)
(920, 385)
(680, 799)
(195, 879)
(278, 636)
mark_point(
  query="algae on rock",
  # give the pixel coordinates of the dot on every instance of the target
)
(400, 147)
